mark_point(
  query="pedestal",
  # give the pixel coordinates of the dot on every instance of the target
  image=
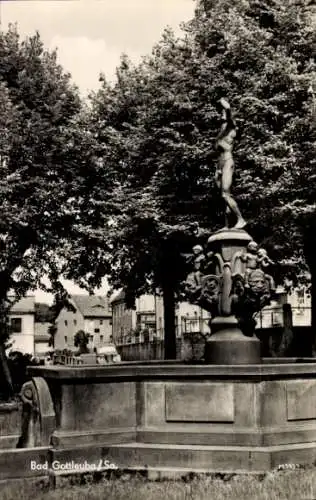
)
(229, 346)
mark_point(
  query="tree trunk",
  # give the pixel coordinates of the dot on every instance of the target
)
(309, 253)
(286, 345)
(310, 342)
(7, 382)
(169, 321)
(313, 311)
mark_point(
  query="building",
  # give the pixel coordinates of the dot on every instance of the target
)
(300, 300)
(41, 338)
(189, 318)
(92, 314)
(128, 323)
(147, 319)
(21, 324)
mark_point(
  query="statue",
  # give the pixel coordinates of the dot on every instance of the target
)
(228, 277)
(264, 261)
(251, 260)
(30, 416)
(199, 258)
(200, 287)
(194, 279)
(225, 167)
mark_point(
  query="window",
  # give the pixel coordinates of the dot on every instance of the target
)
(66, 340)
(16, 325)
(101, 338)
(101, 321)
(97, 330)
(91, 338)
(66, 322)
(75, 321)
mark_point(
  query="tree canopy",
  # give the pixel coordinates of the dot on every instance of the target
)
(48, 170)
(157, 126)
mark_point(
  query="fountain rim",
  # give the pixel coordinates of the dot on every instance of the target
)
(287, 368)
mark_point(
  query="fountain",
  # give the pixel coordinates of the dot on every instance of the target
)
(235, 412)
(228, 279)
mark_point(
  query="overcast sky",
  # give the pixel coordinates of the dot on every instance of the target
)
(90, 36)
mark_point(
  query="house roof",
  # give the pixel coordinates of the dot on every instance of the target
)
(92, 306)
(23, 306)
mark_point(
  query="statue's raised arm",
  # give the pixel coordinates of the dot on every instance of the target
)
(227, 119)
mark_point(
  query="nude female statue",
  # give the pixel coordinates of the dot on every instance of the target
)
(225, 167)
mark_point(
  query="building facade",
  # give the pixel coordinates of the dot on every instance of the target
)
(41, 338)
(21, 325)
(146, 321)
(299, 299)
(92, 314)
(128, 323)
(189, 318)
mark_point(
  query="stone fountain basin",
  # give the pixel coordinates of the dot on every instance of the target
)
(171, 416)
(187, 417)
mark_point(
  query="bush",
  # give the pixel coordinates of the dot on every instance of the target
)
(18, 362)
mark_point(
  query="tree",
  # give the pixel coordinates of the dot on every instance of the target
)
(43, 313)
(151, 142)
(266, 63)
(158, 123)
(52, 330)
(81, 340)
(47, 168)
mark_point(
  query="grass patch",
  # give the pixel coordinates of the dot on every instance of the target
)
(282, 485)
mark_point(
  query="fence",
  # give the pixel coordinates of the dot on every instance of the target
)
(195, 325)
(274, 317)
(188, 324)
(270, 323)
(62, 359)
(189, 347)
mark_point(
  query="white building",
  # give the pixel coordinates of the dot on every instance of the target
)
(148, 316)
(42, 338)
(21, 324)
(300, 300)
(92, 314)
(189, 318)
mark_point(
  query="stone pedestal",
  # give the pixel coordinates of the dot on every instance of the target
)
(228, 345)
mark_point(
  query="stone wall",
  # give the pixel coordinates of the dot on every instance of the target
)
(10, 424)
(185, 416)
(168, 415)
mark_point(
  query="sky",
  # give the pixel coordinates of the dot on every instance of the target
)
(91, 35)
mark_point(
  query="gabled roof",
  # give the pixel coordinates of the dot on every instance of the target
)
(23, 306)
(92, 306)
